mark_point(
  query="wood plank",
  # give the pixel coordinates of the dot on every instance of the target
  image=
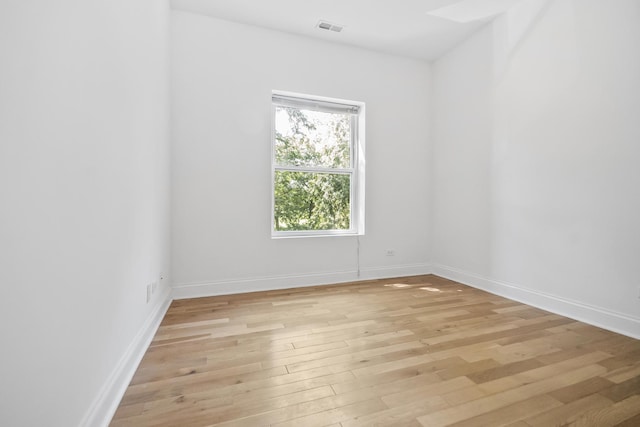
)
(621, 391)
(511, 413)
(579, 390)
(610, 415)
(508, 397)
(568, 413)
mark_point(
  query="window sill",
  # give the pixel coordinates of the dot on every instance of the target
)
(300, 235)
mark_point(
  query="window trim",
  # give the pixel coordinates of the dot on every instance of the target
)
(332, 105)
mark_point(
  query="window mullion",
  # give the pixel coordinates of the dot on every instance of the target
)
(342, 171)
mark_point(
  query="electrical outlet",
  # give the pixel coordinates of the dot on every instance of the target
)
(390, 252)
(149, 291)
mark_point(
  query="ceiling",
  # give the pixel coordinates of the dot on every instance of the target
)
(421, 29)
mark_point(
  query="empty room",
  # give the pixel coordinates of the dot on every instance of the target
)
(334, 213)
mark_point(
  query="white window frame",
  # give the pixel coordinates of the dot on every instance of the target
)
(357, 157)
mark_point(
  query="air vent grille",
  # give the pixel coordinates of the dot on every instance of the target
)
(324, 25)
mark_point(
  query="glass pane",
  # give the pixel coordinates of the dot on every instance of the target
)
(312, 201)
(312, 138)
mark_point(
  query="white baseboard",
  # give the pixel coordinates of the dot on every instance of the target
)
(268, 283)
(370, 273)
(104, 406)
(596, 316)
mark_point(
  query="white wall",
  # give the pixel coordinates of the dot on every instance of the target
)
(222, 77)
(84, 199)
(536, 159)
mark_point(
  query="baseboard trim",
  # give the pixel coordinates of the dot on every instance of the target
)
(596, 316)
(370, 273)
(104, 406)
(270, 283)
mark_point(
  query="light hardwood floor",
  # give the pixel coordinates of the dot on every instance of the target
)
(418, 351)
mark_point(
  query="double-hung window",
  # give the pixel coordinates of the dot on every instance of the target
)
(317, 166)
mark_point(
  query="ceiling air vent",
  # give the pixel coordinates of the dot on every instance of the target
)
(324, 25)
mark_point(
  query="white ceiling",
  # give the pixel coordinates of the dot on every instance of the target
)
(422, 29)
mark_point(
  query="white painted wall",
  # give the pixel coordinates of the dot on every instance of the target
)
(536, 173)
(222, 77)
(83, 199)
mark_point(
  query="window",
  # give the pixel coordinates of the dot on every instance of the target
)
(317, 166)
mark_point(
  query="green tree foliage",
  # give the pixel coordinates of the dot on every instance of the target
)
(306, 200)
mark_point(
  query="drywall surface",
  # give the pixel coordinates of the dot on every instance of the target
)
(536, 159)
(223, 75)
(84, 198)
